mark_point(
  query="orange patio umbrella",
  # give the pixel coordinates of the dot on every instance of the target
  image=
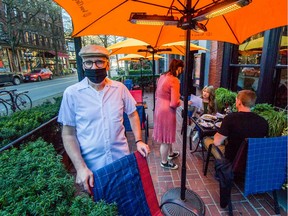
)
(132, 45)
(112, 18)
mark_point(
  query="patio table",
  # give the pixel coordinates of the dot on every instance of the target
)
(203, 132)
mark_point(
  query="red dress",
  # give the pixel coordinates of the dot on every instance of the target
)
(167, 101)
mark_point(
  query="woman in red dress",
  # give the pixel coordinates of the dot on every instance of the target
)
(167, 101)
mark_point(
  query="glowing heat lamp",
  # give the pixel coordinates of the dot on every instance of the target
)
(144, 19)
(219, 9)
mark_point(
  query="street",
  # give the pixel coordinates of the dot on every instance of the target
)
(40, 91)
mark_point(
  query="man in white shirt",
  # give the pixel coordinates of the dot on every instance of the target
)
(91, 113)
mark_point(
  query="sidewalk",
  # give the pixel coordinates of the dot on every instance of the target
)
(205, 186)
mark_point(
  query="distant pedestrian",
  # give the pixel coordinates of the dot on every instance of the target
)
(167, 101)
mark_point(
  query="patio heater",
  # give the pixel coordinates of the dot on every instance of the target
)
(182, 201)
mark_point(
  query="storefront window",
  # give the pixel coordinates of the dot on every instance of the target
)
(281, 91)
(5, 60)
(248, 78)
(249, 55)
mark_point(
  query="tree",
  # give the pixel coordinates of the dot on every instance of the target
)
(18, 18)
(55, 32)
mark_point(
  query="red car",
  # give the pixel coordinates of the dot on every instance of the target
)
(38, 74)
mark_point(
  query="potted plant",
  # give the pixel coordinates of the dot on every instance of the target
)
(224, 98)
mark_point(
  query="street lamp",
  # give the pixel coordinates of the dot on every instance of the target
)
(29, 57)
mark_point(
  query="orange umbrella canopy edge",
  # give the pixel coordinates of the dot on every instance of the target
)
(113, 19)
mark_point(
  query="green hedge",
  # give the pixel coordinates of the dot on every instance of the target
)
(22, 122)
(35, 182)
(144, 81)
(138, 72)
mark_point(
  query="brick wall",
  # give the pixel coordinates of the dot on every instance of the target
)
(216, 57)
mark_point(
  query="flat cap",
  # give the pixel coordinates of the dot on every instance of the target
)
(94, 50)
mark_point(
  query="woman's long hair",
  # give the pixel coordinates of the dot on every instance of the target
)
(173, 66)
(212, 102)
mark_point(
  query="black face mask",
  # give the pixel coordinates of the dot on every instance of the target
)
(95, 75)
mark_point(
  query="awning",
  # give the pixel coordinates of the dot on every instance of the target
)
(60, 54)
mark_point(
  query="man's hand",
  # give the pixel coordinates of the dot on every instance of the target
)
(143, 148)
(85, 179)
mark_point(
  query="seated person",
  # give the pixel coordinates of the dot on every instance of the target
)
(208, 104)
(240, 125)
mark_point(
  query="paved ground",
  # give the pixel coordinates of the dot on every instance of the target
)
(205, 186)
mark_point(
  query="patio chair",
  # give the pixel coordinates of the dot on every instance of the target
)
(143, 121)
(128, 83)
(208, 145)
(266, 166)
(128, 183)
(138, 95)
(264, 162)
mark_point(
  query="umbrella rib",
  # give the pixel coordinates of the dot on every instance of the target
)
(100, 17)
(169, 8)
(231, 29)
(112, 53)
(179, 50)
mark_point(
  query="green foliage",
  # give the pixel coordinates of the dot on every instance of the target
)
(285, 132)
(35, 182)
(22, 122)
(277, 120)
(138, 72)
(259, 108)
(224, 98)
(144, 81)
(85, 206)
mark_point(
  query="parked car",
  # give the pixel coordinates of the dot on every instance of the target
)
(10, 77)
(38, 74)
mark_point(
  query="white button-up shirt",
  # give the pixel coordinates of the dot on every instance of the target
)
(98, 119)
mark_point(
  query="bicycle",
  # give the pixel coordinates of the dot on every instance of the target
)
(14, 100)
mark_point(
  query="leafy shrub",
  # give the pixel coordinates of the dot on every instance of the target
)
(35, 182)
(259, 108)
(24, 121)
(277, 120)
(138, 72)
(224, 98)
(84, 205)
(285, 132)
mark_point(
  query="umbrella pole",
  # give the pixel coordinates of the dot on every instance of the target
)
(182, 201)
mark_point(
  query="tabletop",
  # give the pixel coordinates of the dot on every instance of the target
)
(204, 131)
